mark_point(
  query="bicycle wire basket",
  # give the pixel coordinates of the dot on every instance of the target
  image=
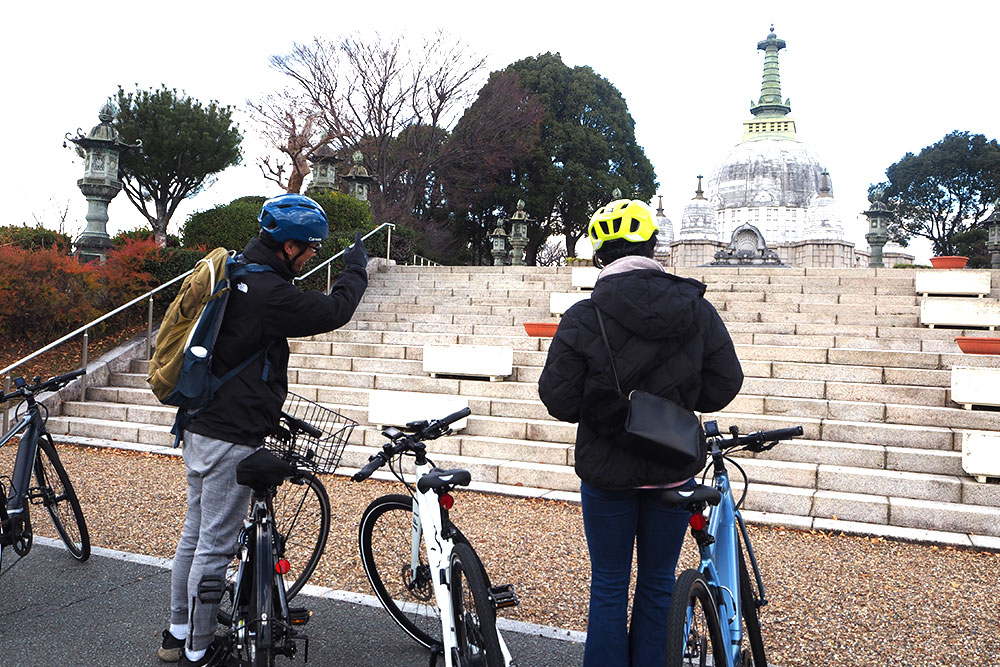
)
(321, 454)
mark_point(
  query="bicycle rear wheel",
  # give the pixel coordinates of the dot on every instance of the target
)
(694, 635)
(385, 537)
(301, 510)
(748, 604)
(474, 615)
(55, 492)
(262, 600)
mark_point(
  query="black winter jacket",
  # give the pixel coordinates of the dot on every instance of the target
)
(667, 339)
(264, 310)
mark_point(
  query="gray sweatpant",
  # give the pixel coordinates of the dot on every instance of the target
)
(216, 505)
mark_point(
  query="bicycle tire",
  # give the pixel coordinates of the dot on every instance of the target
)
(693, 625)
(262, 600)
(384, 539)
(57, 495)
(475, 625)
(751, 620)
(301, 511)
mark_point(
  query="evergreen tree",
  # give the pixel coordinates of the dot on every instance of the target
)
(943, 192)
(184, 143)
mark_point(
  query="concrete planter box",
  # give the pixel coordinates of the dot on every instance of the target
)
(559, 302)
(584, 277)
(968, 313)
(981, 454)
(975, 386)
(492, 361)
(398, 408)
(964, 282)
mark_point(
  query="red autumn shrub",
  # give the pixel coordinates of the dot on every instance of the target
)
(44, 294)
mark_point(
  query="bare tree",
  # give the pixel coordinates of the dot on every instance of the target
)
(293, 127)
(552, 253)
(394, 103)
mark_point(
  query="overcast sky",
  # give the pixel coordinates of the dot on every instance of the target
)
(868, 81)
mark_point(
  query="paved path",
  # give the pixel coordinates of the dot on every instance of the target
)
(110, 612)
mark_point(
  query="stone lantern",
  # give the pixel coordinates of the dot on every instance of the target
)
(324, 171)
(878, 217)
(993, 235)
(357, 178)
(499, 250)
(101, 148)
(519, 234)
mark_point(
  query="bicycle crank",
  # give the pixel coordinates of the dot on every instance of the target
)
(22, 535)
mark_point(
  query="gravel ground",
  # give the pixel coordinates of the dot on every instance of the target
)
(834, 599)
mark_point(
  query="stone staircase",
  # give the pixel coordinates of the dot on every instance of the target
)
(839, 351)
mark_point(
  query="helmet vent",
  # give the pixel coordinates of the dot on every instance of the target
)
(604, 226)
(616, 224)
(633, 226)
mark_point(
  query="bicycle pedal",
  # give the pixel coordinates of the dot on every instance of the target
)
(503, 596)
(298, 615)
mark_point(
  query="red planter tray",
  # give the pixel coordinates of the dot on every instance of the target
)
(541, 329)
(978, 344)
(949, 262)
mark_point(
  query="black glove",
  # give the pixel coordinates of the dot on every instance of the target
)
(355, 255)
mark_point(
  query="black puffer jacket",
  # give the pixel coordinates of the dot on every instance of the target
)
(666, 338)
(264, 310)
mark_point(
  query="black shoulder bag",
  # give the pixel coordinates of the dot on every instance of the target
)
(662, 430)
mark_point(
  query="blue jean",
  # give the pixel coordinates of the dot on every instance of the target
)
(613, 521)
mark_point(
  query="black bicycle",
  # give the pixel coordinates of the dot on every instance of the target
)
(283, 537)
(36, 453)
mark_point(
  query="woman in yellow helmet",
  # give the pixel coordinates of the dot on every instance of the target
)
(666, 339)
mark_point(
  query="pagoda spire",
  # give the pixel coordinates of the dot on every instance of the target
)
(769, 105)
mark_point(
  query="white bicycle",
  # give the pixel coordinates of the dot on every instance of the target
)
(423, 570)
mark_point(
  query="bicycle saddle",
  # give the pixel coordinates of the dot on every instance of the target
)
(439, 479)
(262, 470)
(696, 494)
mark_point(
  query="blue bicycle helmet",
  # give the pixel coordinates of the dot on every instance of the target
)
(293, 217)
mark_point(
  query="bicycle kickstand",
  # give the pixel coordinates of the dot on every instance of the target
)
(436, 650)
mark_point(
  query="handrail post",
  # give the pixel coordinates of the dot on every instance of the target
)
(83, 378)
(388, 243)
(6, 390)
(329, 267)
(149, 331)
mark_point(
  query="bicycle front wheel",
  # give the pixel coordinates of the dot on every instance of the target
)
(751, 621)
(474, 615)
(301, 511)
(694, 636)
(55, 492)
(388, 549)
(262, 600)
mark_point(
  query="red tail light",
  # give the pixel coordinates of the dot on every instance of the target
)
(698, 521)
(282, 566)
(446, 500)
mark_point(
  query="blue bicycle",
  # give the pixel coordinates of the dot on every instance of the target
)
(713, 608)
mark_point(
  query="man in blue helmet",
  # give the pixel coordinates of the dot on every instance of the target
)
(264, 310)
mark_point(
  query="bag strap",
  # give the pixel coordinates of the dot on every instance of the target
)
(607, 346)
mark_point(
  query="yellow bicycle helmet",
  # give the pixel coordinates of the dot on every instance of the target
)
(628, 219)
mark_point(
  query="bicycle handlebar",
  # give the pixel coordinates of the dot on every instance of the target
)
(55, 382)
(297, 425)
(400, 443)
(757, 439)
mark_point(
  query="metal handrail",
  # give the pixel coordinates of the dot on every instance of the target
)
(420, 260)
(329, 262)
(5, 372)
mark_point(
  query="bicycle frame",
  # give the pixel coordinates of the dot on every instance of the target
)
(720, 562)
(17, 506)
(429, 521)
